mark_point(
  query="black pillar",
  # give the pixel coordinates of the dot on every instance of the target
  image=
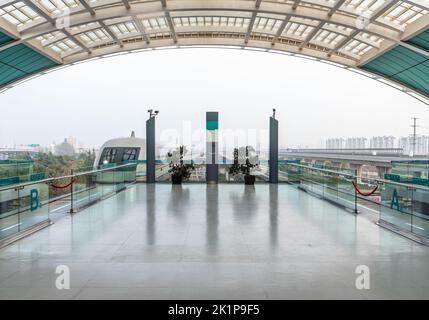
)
(274, 150)
(150, 150)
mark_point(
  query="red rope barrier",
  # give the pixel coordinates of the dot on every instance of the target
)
(65, 186)
(365, 194)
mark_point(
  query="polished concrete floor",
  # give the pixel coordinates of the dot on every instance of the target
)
(214, 242)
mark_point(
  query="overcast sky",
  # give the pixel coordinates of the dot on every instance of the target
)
(108, 98)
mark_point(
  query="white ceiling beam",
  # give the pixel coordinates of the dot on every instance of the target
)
(343, 42)
(412, 30)
(110, 32)
(376, 52)
(336, 6)
(204, 41)
(140, 28)
(242, 8)
(383, 9)
(281, 29)
(8, 28)
(295, 4)
(169, 20)
(76, 40)
(311, 35)
(252, 21)
(126, 4)
(424, 4)
(40, 11)
(250, 27)
(87, 7)
(4, 3)
(416, 27)
(368, 41)
(171, 26)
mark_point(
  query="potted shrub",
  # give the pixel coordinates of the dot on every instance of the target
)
(179, 170)
(245, 159)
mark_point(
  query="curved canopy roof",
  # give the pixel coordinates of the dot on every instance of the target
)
(384, 39)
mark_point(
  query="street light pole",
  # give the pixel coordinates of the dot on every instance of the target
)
(150, 146)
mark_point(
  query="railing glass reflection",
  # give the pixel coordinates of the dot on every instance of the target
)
(401, 206)
(28, 205)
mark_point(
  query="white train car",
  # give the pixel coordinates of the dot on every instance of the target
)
(119, 150)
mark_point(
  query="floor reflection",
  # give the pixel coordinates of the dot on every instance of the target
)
(212, 218)
(274, 212)
(272, 241)
(244, 203)
(150, 213)
(178, 201)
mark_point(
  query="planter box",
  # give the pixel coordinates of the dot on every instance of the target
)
(176, 179)
(250, 180)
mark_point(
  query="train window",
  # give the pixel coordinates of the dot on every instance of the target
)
(129, 154)
(109, 156)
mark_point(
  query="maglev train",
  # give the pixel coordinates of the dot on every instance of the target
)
(119, 150)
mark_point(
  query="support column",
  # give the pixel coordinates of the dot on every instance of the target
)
(150, 150)
(274, 150)
(212, 166)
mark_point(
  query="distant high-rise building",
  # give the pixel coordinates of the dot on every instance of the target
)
(356, 143)
(382, 142)
(335, 143)
(418, 147)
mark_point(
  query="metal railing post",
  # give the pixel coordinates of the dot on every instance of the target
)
(356, 195)
(71, 194)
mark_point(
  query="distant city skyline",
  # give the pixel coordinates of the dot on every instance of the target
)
(108, 98)
(410, 144)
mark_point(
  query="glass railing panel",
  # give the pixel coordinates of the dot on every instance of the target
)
(262, 171)
(396, 205)
(199, 172)
(330, 187)
(333, 185)
(9, 209)
(141, 172)
(57, 192)
(161, 171)
(130, 174)
(33, 205)
(306, 179)
(81, 191)
(224, 175)
(23, 206)
(119, 177)
(420, 221)
(289, 173)
(136, 172)
(107, 180)
(94, 188)
(346, 191)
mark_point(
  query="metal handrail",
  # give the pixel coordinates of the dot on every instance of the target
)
(378, 181)
(23, 185)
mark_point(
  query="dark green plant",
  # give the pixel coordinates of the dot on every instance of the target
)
(178, 167)
(243, 162)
